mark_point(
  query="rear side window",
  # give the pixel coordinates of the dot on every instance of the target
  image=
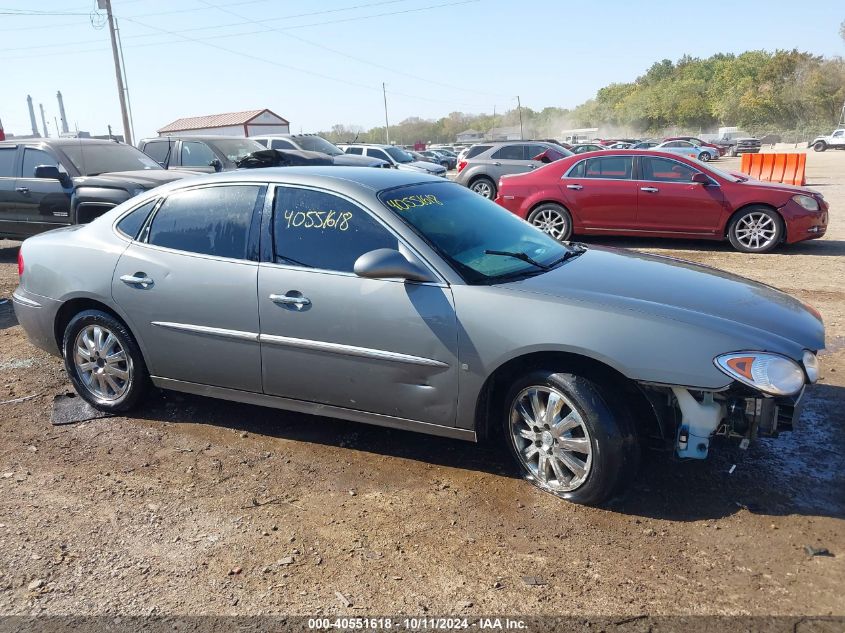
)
(132, 222)
(320, 230)
(612, 167)
(7, 161)
(32, 158)
(510, 152)
(209, 221)
(157, 150)
(475, 150)
(577, 171)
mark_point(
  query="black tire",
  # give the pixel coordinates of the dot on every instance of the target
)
(552, 219)
(820, 146)
(604, 425)
(484, 187)
(445, 165)
(137, 380)
(704, 157)
(740, 237)
(732, 152)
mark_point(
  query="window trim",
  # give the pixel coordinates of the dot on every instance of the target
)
(634, 168)
(252, 256)
(267, 248)
(639, 172)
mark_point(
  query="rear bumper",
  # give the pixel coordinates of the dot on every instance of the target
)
(37, 315)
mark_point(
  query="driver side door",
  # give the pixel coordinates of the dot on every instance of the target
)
(382, 346)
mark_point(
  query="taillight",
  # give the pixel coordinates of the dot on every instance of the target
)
(461, 165)
(20, 263)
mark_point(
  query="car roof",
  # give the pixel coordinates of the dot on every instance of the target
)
(60, 141)
(355, 177)
(196, 137)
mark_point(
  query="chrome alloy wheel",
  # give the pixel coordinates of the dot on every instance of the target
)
(483, 188)
(551, 439)
(755, 230)
(101, 363)
(552, 222)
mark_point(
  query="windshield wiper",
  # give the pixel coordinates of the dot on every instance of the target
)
(520, 256)
(573, 251)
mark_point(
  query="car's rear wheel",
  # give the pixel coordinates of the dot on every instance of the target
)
(484, 187)
(552, 219)
(732, 152)
(704, 157)
(103, 361)
(820, 146)
(569, 437)
(756, 230)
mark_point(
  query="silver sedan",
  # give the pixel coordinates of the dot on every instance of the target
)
(403, 300)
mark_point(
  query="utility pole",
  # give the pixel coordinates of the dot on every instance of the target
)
(519, 106)
(127, 132)
(386, 123)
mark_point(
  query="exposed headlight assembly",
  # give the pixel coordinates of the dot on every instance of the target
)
(808, 202)
(770, 373)
(811, 365)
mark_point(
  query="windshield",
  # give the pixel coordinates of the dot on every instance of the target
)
(99, 158)
(236, 148)
(318, 144)
(461, 226)
(399, 155)
(727, 176)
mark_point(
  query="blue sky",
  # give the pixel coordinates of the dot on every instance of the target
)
(321, 62)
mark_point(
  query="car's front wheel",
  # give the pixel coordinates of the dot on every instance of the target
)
(820, 146)
(484, 187)
(569, 437)
(104, 362)
(704, 157)
(552, 219)
(756, 230)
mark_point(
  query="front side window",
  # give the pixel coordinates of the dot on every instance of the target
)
(234, 149)
(7, 161)
(318, 144)
(320, 230)
(278, 143)
(33, 158)
(509, 152)
(399, 155)
(92, 158)
(377, 153)
(611, 167)
(196, 154)
(665, 170)
(463, 226)
(157, 150)
(208, 221)
(354, 150)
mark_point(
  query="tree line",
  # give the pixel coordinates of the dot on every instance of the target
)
(759, 91)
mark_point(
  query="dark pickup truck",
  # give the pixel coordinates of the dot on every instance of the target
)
(48, 183)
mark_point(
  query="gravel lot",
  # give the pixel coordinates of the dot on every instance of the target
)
(197, 506)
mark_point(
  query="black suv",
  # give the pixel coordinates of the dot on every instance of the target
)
(199, 153)
(48, 183)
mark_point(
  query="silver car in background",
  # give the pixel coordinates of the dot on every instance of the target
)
(480, 170)
(407, 301)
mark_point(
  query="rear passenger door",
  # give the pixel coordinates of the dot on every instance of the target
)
(187, 286)
(8, 197)
(601, 194)
(509, 159)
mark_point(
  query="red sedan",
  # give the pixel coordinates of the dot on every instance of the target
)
(642, 192)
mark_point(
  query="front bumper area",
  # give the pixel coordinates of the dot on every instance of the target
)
(802, 224)
(37, 315)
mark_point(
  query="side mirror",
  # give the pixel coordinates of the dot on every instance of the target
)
(384, 263)
(51, 172)
(700, 178)
(215, 162)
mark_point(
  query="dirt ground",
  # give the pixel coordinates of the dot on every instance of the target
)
(198, 506)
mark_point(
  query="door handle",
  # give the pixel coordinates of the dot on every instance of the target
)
(650, 189)
(23, 190)
(576, 187)
(532, 166)
(138, 279)
(290, 301)
(498, 164)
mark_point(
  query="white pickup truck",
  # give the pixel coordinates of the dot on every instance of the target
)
(834, 141)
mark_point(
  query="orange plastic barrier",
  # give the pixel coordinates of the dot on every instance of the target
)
(789, 169)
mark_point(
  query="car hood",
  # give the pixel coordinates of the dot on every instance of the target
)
(776, 186)
(145, 178)
(758, 316)
(432, 168)
(352, 160)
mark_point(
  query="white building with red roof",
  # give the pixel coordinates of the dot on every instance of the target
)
(248, 123)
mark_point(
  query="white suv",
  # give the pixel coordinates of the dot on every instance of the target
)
(398, 157)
